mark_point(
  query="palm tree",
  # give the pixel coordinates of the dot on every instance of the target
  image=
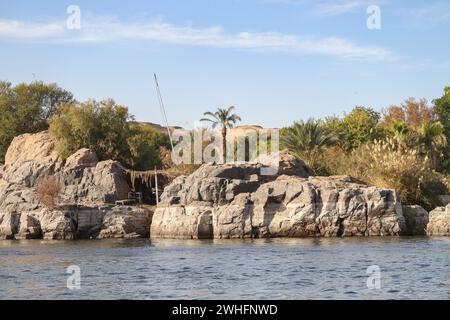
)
(432, 139)
(226, 119)
(307, 140)
(399, 130)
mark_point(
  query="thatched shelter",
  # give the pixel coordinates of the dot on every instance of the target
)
(145, 183)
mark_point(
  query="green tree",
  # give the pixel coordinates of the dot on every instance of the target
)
(145, 145)
(413, 112)
(360, 126)
(400, 132)
(102, 126)
(442, 106)
(432, 141)
(225, 118)
(26, 108)
(307, 141)
(108, 129)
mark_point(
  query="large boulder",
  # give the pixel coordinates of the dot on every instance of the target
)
(105, 181)
(83, 157)
(236, 201)
(29, 158)
(439, 224)
(416, 219)
(9, 225)
(29, 227)
(126, 222)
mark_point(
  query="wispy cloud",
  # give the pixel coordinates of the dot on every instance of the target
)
(334, 8)
(331, 7)
(103, 29)
(23, 30)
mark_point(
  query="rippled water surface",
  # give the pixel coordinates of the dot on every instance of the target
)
(411, 268)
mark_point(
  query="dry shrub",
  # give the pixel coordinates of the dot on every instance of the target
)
(384, 165)
(48, 191)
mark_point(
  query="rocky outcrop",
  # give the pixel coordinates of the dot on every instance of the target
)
(129, 222)
(32, 157)
(29, 158)
(439, 224)
(77, 222)
(416, 219)
(89, 189)
(236, 201)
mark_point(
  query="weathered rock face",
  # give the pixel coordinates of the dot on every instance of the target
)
(439, 224)
(237, 202)
(126, 222)
(32, 157)
(77, 222)
(416, 219)
(101, 182)
(83, 179)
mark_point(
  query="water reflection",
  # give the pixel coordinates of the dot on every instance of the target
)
(313, 268)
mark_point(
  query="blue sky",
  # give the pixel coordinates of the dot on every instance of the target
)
(276, 60)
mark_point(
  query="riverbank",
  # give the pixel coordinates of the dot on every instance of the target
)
(81, 195)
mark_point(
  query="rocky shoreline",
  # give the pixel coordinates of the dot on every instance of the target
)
(216, 201)
(89, 189)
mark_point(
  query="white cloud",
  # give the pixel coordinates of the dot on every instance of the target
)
(102, 29)
(334, 8)
(330, 7)
(23, 30)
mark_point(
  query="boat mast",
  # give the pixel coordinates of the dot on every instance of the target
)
(163, 110)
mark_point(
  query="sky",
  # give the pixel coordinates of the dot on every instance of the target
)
(277, 61)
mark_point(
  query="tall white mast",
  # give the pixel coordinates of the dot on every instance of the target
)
(163, 110)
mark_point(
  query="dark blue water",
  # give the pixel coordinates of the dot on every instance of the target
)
(410, 268)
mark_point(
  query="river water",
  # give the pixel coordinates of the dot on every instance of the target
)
(351, 268)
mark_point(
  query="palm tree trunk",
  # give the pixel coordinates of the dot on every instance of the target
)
(224, 143)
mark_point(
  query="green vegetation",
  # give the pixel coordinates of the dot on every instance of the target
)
(225, 118)
(26, 108)
(308, 141)
(405, 149)
(108, 129)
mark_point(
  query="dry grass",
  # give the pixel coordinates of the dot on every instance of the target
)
(384, 165)
(48, 191)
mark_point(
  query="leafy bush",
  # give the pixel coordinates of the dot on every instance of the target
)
(146, 145)
(48, 191)
(106, 127)
(25, 108)
(360, 126)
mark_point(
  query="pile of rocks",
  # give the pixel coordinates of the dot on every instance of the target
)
(236, 201)
(216, 201)
(85, 181)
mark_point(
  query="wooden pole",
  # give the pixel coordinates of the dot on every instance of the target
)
(156, 187)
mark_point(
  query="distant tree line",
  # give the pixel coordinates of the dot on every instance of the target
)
(404, 147)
